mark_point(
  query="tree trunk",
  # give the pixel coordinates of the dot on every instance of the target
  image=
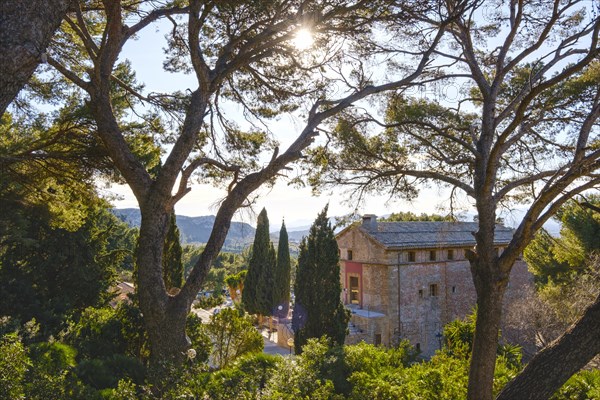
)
(573, 350)
(26, 28)
(485, 344)
(166, 331)
(490, 285)
(164, 315)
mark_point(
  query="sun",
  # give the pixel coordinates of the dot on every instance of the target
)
(303, 39)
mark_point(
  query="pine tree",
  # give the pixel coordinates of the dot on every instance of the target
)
(172, 265)
(561, 259)
(281, 286)
(318, 309)
(258, 285)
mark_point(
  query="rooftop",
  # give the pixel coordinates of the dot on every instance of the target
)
(427, 234)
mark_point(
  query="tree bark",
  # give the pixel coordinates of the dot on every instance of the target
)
(486, 270)
(485, 344)
(573, 350)
(26, 28)
(165, 337)
(166, 332)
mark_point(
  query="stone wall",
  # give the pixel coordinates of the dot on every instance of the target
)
(364, 249)
(415, 298)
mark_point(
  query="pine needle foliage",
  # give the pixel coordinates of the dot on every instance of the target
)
(281, 287)
(172, 264)
(257, 296)
(318, 309)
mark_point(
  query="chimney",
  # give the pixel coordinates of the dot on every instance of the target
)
(369, 222)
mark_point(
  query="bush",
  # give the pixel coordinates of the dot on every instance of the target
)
(106, 373)
(53, 357)
(584, 385)
(232, 335)
(103, 332)
(14, 364)
(126, 390)
(51, 374)
(245, 379)
(98, 333)
(302, 377)
(214, 300)
(363, 357)
(196, 331)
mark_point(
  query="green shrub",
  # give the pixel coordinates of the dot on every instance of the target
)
(102, 332)
(106, 373)
(50, 376)
(214, 300)
(196, 331)
(584, 385)
(97, 334)
(245, 379)
(96, 373)
(125, 390)
(232, 335)
(53, 357)
(14, 364)
(302, 377)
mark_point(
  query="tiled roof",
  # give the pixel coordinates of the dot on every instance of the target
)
(430, 234)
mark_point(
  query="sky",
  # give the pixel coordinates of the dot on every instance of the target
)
(296, 205)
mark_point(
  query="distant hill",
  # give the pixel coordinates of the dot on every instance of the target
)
(293, 236)
(196, 229)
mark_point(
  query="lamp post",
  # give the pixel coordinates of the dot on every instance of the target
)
(290, 343)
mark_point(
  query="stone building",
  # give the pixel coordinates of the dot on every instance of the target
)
(406, 280)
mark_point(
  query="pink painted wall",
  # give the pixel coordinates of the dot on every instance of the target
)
(352, 267)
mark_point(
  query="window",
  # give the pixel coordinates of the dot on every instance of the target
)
(433, 290)
(432, 255)
(453, 289)
(412, 256)
(377, 339)
(450, 254)
(354, 290)
(349, 254)
(418, 346)
(420, 293)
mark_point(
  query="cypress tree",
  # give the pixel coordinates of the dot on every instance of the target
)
(172, 264)
(281, 286)
(318, 309)
(258, 285)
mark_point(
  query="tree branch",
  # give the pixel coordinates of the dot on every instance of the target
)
(70, 75)
(152, 17)
(579, 344)
(187, 172)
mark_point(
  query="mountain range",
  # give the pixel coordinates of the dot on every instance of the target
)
(196, 230)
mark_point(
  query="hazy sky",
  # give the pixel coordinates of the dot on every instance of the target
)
(297, 206)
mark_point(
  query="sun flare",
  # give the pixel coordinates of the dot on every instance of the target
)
(303, 39)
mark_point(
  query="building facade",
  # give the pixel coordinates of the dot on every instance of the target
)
(406, 280)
